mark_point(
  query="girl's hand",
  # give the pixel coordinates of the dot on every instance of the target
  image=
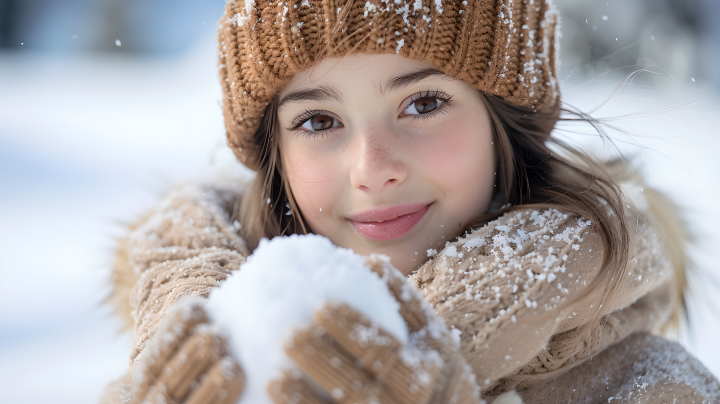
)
(354, 361)
(187, 362)
(351, 359)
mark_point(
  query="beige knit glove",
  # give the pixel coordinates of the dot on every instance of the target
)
(187, 362)
(354, 361)
(350, 358)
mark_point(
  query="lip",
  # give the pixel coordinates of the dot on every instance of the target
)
(388, 222)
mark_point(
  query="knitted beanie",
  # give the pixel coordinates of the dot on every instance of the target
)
(505, 48)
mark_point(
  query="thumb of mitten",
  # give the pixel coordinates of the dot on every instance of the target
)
(456, 382)
(413, 307)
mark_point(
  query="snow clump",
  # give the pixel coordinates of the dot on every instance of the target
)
(279, 289)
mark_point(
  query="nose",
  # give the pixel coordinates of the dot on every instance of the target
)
(375, 163)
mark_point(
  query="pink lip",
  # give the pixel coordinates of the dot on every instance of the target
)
(388, 222)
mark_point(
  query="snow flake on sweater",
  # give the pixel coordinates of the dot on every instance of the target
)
(503, 265)
(522, 268)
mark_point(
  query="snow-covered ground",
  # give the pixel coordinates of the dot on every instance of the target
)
(88, 143)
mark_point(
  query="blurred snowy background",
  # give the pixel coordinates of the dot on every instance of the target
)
(106, 104)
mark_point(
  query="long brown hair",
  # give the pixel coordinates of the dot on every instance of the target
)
(533, 168)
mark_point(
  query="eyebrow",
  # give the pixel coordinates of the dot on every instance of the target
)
(321, 93)
(400, 82)
(326, 92)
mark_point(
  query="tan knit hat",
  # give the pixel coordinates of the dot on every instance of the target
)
(506, 48)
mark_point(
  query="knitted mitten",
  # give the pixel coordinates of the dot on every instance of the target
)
(354, 361)
(187, 362)
(344, 353)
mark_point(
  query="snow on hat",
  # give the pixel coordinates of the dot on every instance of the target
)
(505, 48)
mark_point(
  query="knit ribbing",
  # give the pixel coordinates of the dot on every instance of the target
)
(505, 48)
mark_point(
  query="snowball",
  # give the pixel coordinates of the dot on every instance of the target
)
(279, 289)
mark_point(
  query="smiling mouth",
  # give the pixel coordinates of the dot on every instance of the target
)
(388, 223)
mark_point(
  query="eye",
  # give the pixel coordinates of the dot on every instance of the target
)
(319, 122)
(423, 106)
(315, 122)
(426, 103)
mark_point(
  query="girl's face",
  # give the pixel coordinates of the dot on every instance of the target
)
(385, 154)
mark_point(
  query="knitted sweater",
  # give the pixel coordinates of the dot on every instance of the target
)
(502, 286)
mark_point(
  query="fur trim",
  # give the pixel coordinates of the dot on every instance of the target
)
(671, 228)
(673, 231)
(122, 280)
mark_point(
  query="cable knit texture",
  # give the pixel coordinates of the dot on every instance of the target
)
(492, 286)
(506, 48)
(186, 248)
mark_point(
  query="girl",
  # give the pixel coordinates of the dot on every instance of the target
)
(420, 130)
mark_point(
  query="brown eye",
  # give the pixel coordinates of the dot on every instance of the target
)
(321, 122)
(425, 105)
(318, 121)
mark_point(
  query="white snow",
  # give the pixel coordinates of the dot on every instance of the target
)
(239, 19)
(369, 7)
(400, 43)
(249, 6)
(280, 288)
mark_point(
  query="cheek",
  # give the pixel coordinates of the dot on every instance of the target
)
(314, 182)
(461, 161)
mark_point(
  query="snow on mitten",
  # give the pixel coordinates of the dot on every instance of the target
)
(356, 361)
(187, 362)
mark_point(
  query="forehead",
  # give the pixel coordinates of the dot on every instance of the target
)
(354, 70)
